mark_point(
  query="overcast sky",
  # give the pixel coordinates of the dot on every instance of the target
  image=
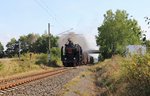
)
(21, 17)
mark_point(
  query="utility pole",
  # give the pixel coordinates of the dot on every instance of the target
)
(49, 46)
(19, 50)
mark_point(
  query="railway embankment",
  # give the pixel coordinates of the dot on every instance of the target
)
(120, 76)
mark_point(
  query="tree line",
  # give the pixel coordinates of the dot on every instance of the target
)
(29, 43)
(118, 30)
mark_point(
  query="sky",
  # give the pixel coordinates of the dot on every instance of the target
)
(21, 17)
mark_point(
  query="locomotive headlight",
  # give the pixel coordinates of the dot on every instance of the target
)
(74, 58)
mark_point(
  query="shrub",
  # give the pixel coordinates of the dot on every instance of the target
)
(136, 73)
(124, 76)
(42, 59)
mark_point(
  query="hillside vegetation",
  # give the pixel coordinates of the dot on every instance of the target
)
(120, 76)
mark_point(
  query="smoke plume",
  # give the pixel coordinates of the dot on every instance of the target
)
(75, 38)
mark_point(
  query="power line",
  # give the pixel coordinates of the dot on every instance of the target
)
(54, 14)
(65, 31)
(44, 6)
(45, 9)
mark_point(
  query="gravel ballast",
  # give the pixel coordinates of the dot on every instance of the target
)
(49, 86)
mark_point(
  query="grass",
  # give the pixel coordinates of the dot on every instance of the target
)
(25, 65)
(120, 76)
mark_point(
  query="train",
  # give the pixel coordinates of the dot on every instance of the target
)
(72, 55)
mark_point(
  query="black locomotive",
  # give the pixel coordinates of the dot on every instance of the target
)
(72, 55)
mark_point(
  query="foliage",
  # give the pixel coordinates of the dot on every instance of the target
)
(147, 43)
(30, 43)
(1, 50)
(11, 51)
(42, 59)
(27, 42)
(136, 72)
(1, 47)
(11, 43)
(124, 76)
(35, 43)
(116, 32)
(55, 51)
(54, 58)
(41, 45)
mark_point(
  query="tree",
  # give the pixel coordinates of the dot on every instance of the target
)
(27, 42)
(41, 45)
(116, 32)
(1, 47)
(11, 43)
(1, 50)
(31, 42)
(10, 51)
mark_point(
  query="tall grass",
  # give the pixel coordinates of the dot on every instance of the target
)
(26, 64)
(124, 76)
(15, 66)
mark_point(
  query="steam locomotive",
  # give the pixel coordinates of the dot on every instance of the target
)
(73, 55)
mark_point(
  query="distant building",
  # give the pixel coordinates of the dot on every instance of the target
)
(135, 49)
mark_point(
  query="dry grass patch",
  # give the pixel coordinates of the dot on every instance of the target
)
(10, 67)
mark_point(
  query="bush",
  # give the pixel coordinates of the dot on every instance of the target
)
(136, 73)
(124, 76)
(42, 59)
(54, 58)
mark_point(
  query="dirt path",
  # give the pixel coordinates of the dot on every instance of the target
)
(82, 85)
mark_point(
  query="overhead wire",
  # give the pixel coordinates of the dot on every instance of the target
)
(45, 7)
(54, 14)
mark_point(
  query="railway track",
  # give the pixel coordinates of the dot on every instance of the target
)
(6, 84)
